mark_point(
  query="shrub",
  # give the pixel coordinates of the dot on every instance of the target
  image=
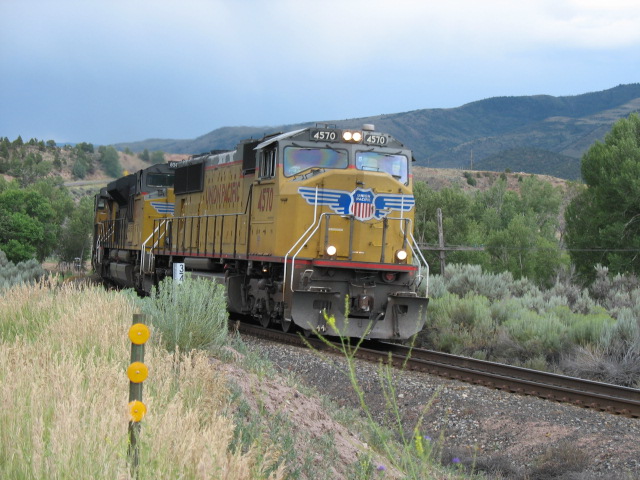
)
(494, 317)
(460, 325)
(470, 180)
(615, 357)
(461, 279)
(22, 272)
(188, 315)
(614, 292)
(560, 460)
(537, 335)
(576, 297)
(584, 329)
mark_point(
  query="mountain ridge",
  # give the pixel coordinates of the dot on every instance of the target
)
(495, 134)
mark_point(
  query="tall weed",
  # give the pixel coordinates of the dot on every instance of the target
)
(407, 449)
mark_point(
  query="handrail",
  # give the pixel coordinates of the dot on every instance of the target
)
(143, 267)
(417, 253)
(284, 274)
(200, 219)
(293, 259)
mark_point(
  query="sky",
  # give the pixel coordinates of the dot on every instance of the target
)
(109, 71)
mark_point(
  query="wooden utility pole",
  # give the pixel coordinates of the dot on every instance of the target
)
(441, 241)
(441, 247)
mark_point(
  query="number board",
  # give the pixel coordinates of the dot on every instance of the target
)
(324, 135)
(375, 139)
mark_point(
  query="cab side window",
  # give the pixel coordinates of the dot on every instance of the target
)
(267, 163)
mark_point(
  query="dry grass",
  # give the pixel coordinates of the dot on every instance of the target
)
(63, 396)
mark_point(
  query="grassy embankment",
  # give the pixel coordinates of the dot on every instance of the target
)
(64, 392)
(64, 351)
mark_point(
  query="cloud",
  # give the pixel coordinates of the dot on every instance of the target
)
(182, 68)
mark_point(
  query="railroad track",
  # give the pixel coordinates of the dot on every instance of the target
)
(584, 393)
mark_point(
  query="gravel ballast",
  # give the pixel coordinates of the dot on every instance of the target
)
(502, 434)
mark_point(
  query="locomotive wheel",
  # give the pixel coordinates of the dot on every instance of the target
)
(265, 320)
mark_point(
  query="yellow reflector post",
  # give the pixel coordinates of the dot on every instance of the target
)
(137, 372)
(139, 333)
(137, 410)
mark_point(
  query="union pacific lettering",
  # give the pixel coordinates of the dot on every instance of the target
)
(223, 194)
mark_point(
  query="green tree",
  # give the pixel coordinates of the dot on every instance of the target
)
(522, 250)
(144, 155)
(110, 161)
(157, 157)
(26, 229)
(57, 163)
(603, 221)
(59, 197)
(85, 147)
(458, 224)
(4, 148)
(83, 164)
(518, 230)
(33, 167)
(76, 232)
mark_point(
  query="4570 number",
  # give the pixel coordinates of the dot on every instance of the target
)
(265, 200)
(324, 135)
(375, 139)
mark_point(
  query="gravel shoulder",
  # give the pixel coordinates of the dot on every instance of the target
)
(502, 434)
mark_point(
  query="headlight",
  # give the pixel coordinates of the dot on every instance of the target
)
(331, 251)
(352, 137)
(401, 255)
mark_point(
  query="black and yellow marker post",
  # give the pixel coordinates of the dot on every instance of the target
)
(137, 372)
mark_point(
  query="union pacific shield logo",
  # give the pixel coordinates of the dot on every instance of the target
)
(363, 204)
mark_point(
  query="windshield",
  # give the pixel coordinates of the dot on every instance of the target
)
(395, 165)
(297, 159)
(160, 180)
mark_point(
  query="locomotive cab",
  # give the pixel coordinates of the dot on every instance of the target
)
(347, 196)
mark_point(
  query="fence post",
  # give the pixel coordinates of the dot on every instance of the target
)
(137, 372)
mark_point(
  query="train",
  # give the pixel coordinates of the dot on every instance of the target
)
(309, 229)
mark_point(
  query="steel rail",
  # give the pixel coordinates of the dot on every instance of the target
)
(605, 397)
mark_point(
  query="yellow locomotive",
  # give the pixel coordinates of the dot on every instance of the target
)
(125, 212)
(299, 226)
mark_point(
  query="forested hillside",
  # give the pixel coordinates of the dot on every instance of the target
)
(41, 214)
(532, 134)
